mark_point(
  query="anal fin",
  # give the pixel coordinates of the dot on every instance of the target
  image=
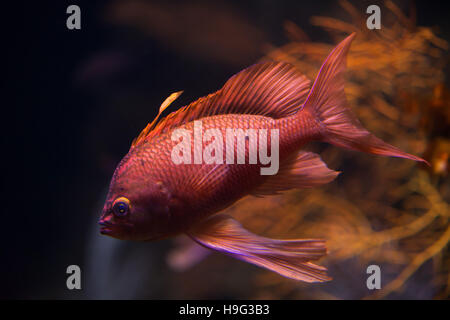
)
(289, 258)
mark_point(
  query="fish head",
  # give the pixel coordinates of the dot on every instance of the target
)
(136, 206)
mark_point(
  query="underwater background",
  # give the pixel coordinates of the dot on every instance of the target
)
(75, 99)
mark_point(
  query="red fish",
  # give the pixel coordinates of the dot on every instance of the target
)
(151, 197)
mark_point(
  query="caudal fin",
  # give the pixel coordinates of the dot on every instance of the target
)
(290, 258)
(327, 103)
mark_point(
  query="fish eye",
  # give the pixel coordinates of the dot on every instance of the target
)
(121, 206)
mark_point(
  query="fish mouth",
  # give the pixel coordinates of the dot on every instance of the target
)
(106, 227)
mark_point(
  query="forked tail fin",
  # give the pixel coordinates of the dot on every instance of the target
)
(290, 258)
(326, 101)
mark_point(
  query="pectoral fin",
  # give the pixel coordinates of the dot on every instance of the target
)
(290, 258)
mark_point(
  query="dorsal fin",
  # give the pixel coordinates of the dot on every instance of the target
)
(152, 124)
(272, 89)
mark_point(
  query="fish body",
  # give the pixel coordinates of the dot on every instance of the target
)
(153, 196)
(150, 164)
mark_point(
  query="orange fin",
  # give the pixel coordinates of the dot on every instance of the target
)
(272, 89)
(151, 125)
(327, 102)
(302, 170)
(290, 258)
